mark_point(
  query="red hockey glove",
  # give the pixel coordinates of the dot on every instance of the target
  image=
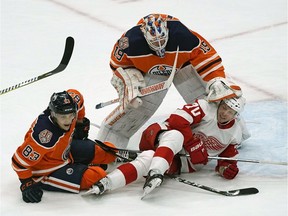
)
(197, 151)
(227, 170)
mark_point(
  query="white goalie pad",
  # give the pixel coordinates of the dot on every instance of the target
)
(123, 122)
(189, 84)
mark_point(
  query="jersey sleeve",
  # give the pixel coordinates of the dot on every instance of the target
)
(119, 57)
(28, 155)
(206, 60)
(38, 141)
(182, 119)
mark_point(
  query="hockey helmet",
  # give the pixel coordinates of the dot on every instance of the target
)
(236, 103)
(154, 28)
(62, 103)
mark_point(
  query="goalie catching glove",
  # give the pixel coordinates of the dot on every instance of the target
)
(220, 88)
(127, 83)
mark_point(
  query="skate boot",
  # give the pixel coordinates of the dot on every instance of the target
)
(153, 180)
(99, 187)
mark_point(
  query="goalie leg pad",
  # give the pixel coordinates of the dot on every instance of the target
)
(189, 84)
(122, 123)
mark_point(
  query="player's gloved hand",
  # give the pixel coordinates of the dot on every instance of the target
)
(31, 191)
(227, 170)
(82, 129)
(197, 151)
(220, 88)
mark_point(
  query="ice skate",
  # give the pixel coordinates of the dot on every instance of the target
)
(100, 187)
(153, 180)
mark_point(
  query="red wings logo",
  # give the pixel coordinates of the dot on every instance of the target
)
(210, 142)
(45, 136)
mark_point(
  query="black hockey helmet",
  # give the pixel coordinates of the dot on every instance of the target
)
(62, 103)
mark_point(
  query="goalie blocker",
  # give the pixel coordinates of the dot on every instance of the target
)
(134, 109)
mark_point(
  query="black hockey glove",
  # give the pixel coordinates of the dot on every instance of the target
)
(82, 129)
(31, 191)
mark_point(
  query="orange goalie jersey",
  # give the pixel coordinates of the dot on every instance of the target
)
(46, 146)
(132, 50)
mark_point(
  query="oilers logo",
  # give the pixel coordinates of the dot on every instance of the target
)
(163, 70)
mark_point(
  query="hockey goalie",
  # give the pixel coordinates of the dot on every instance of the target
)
(143, 56)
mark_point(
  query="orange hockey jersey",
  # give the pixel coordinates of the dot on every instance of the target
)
(132, 50)
(46, 146)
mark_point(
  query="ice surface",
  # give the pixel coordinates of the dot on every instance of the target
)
(250, 36)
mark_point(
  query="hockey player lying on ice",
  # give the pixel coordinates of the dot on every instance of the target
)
(200, 129)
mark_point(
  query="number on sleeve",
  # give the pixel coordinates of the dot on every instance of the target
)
(29, 153)
(194, 109)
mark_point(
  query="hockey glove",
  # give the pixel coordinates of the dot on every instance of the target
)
(227, 170)
(31, 191)
(82, 129)
(219, 89)
(197, 151)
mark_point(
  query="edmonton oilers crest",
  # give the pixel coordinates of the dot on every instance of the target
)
(163, 70)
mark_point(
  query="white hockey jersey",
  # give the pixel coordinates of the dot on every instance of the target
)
(200, 120)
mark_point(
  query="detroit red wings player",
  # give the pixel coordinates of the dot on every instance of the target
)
(200, 129)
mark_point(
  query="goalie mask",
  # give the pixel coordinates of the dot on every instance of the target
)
(154, 28)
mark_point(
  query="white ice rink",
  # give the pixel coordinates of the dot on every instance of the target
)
(250, 36)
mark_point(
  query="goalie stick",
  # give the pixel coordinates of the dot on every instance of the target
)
(238, 192)
(149, 89)
(63, 64)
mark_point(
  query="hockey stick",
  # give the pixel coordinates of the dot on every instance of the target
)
(149, 89)
(63, 64)
(247, 160)
(238, 192)
(210, 157)
(124, 154)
